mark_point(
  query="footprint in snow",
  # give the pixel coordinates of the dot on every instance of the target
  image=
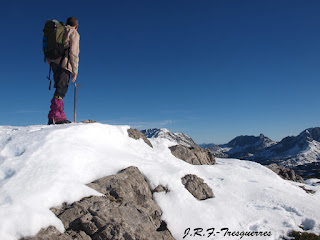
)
(7, 173)
(291, 209)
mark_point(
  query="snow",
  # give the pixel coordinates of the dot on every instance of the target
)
(44, 166)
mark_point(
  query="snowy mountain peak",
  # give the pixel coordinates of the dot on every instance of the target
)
(310, 134)
(243, 141)
(178, 137)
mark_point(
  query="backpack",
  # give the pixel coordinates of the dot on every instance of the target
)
(53, 42)
(53, 39)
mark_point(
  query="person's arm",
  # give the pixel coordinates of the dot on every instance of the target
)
(74, 54)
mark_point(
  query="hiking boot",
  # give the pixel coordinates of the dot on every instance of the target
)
(63, 122)
(56, 114)
(53, 122)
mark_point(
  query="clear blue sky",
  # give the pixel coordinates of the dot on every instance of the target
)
(213, 69)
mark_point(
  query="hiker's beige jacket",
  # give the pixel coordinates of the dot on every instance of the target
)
(71, 61)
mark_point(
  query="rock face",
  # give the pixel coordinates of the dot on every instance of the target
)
(197, 187)
(193, 155)
(136, 134)
(127, 211)
(285, 173)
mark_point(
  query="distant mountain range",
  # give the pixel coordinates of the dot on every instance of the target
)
(241, 147)
(301, 153)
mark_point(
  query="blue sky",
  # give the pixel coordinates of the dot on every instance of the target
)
(213, 69)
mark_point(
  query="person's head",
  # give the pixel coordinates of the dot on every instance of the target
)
(73, 22)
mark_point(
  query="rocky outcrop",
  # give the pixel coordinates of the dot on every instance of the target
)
(136, 134)
(89, 121)
(197, 187)
(285, 173)
(193, 155)
(126, 211)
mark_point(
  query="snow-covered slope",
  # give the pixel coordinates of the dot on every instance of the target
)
(44, 166)
(179, 138)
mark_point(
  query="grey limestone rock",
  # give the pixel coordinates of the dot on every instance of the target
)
(160, 188)
(310, 191)
(285, 173)
(89, 121)
(193, 155)
(126, 211)
(50, 233)
(197, 187)
(136, 134)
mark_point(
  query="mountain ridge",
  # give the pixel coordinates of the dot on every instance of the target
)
(291, 151)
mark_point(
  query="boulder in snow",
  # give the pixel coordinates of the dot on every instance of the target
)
(127, 211)
(136, 134)
(197, 187)
(193, 155)
(285, 173)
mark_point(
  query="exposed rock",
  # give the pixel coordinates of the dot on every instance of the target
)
(136, 134)
(127, 211)
(308, 190)
(89, 121)
(193, 155)
(285, 173)
(160, 188)
(197, 187)
(301, 235)
(51, 233)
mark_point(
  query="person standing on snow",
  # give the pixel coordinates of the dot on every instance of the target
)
(62, 68)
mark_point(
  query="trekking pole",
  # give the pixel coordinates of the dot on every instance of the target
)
(75, 101)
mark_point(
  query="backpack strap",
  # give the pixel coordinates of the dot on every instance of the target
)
(68, 56)
(64, 56)
(50, 67)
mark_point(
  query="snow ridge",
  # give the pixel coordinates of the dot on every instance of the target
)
(44, 166)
